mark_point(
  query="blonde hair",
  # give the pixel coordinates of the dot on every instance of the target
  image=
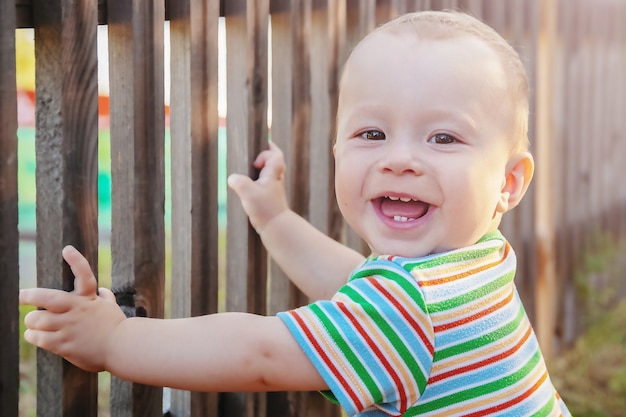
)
(442, 25)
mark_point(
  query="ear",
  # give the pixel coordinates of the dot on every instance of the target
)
(519, 173)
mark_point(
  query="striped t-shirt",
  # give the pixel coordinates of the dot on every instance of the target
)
(443, 335)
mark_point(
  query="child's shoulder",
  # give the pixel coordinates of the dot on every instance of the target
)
(490, 258)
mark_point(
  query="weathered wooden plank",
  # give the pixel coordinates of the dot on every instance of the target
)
(194, 140)
(421, 5)
(359, 19)
(9, 236)
(442, 4)
(337, 56)
(321, 114)
(473, 7)
(137, 176)
(618, 122)
(300, 151)
(367, 17)
(281, 120)
(568, 176)
(518, 224)
(67, 205)
(247, 68)
(544, 181)
(527, 271)
(246, 42)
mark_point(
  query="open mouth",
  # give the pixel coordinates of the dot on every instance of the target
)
(402, 209)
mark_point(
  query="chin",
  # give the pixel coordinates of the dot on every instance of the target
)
(405, 251)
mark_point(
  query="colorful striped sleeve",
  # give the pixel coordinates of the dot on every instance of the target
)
(372, 342)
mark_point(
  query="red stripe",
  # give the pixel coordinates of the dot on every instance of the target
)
(374, 347)
(512, 402)
(328, 362)
(407, 316)
(474, 317)
(482, 363)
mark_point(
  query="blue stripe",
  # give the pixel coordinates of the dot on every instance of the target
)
(360, 348)
(494, 321)
(414, 344)
(334, 386)
(494, 371)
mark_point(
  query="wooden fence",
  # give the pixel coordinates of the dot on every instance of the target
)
(575, 55)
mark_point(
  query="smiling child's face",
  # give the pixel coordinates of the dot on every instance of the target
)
(423, 143)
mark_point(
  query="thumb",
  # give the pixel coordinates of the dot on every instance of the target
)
(106, 294)
(84, 280)
(240, 184)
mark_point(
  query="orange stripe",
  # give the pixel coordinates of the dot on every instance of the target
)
(482, 363)
(512, 402)
(486, 401)
(474, 317)
(466, 273)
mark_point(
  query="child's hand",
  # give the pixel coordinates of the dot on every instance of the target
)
(79, 325)
(265, 198)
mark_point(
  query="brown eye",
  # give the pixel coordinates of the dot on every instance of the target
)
(442, 139)
(373, 135)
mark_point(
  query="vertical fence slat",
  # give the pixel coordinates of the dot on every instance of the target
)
(568, 182)
(320, 149)
(66, 148)
(237, 237)
(357, 23)
(137, 175)
(9, 236)
(282, 72)
(618, 122)
(300, 163)
(247, 68)
(282, 404)
(194, 144)
(544, 182)
(337, 40)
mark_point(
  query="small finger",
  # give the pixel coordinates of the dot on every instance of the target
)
(41, 320)
(84, 280)
(273, 167)
(106, 294)
(44, 339)
(239, 183)
(56, 301)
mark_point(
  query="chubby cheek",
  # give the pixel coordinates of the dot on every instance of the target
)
(342, 190)
(347, 190)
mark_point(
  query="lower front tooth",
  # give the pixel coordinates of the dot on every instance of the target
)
(400, 218)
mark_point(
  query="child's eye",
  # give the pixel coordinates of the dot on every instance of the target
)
(373, 135)
(442, 139)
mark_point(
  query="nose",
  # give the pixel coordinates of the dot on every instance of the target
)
(400, 158)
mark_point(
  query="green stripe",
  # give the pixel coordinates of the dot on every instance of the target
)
(462, 255)
(473, 255)
(484, 340)
(546, 410)
(472, 393)
(469, 297)
(354, 361)
(409, 286)
(391, 336)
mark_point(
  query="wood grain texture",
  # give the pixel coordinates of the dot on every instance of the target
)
(194, 152)
(66, 148)
(137, 174)
(247, 99)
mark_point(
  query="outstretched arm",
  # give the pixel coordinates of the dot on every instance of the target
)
(315, 263)
(220, 352)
